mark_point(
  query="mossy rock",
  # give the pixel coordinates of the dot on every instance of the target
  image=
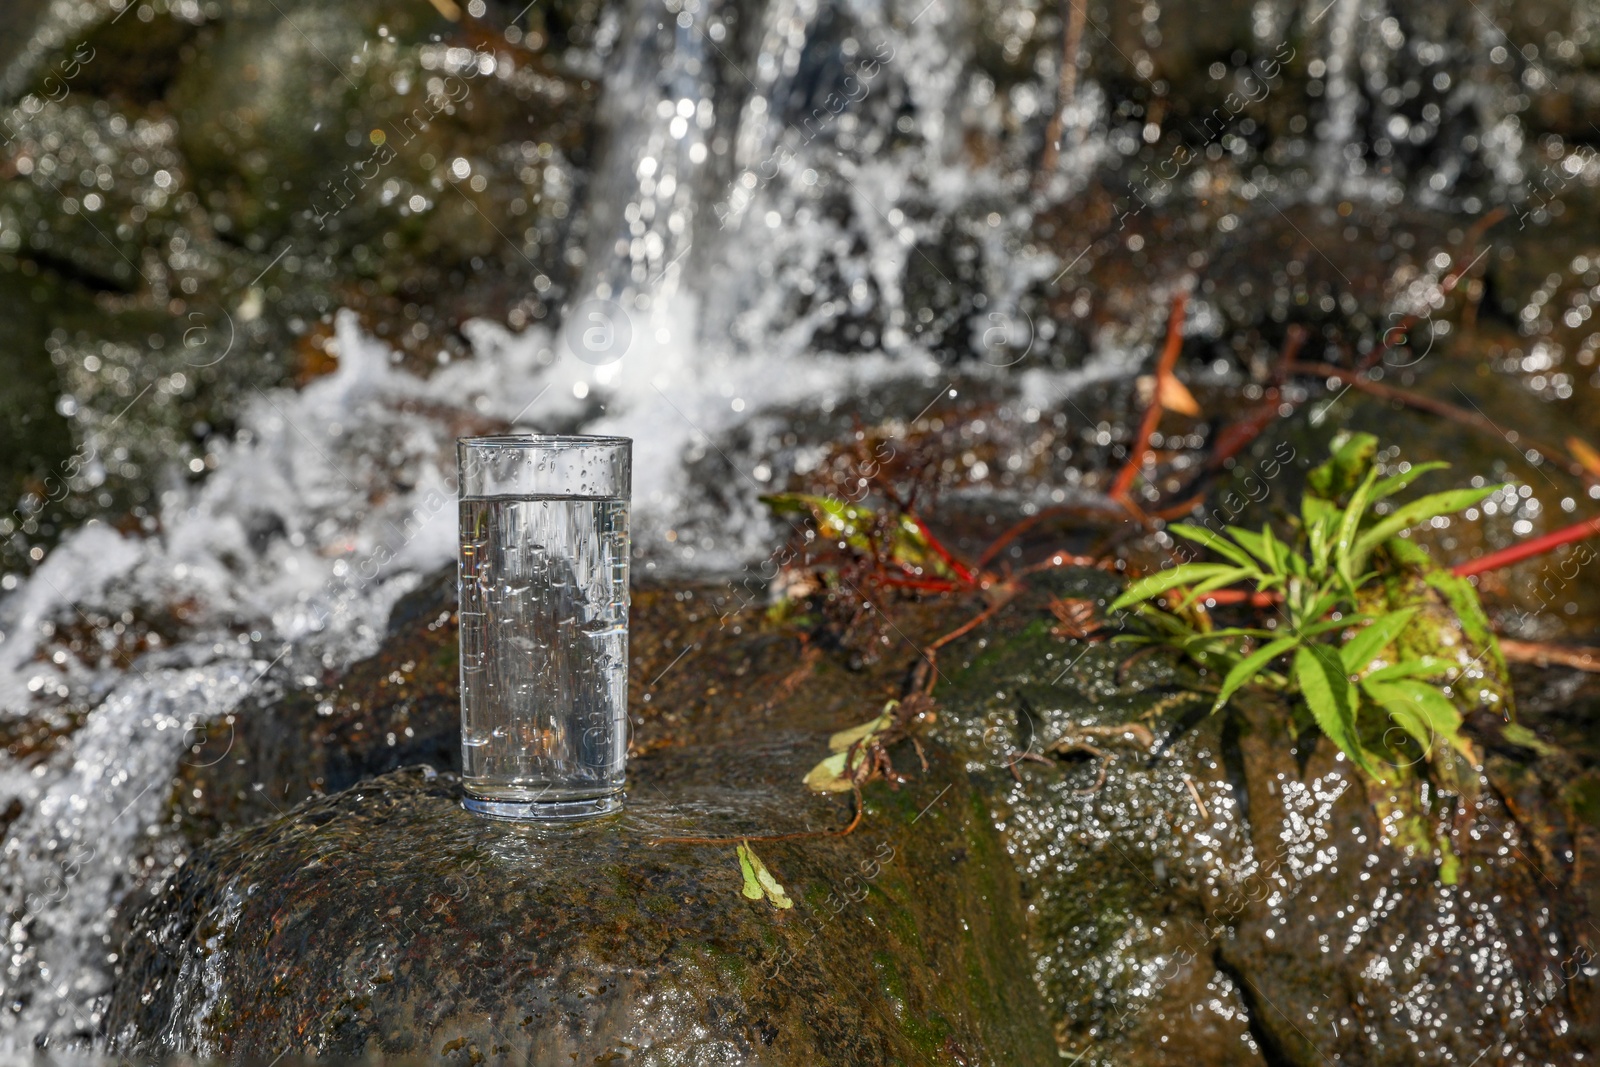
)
(386, 921)
(1229, 891)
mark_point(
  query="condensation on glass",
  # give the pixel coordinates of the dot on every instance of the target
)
(544, 624)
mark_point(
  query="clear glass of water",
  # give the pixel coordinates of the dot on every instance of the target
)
(544, 624)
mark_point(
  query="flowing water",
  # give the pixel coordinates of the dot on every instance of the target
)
(544, 647)
(800, 211)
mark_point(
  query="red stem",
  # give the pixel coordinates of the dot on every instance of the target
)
(1534, 547)
(1152, 414)
(1243, 596)
(943, 553)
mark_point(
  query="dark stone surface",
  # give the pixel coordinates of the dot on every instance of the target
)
(387, 920)
(1283, 922)
(1146, 917)
(384, 919)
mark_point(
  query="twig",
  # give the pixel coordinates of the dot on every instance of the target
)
(1195, 793)
(943, 553)
(968, 626)
(1066, 89)
(1237, 437)
(1441, 408)
(1536, 546)
(1542, 654)
(1140, 732)
(1152, 413)
(792, 680)
(1061, 559)
(1243, 596)
(1022, 526)
(930, 654)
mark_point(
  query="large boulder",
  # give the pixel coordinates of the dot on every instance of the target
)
(1189, 889)
(1250, 901)
(387, 920)
(383, 919)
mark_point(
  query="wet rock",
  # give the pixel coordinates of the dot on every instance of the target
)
(404, 926)
(1247, 901)
(1230, 901)
(220, 180)
(386, 920)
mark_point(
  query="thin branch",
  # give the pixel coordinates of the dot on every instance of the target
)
(1541, 654)
(1534, 546)
(1441, 408)
(1152, 414)
(1238, 436)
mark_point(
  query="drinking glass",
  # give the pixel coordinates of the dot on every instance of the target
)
(544, 624)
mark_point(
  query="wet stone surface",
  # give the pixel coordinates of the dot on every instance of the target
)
(1247, 905)
(385, 920)
(1233, 901)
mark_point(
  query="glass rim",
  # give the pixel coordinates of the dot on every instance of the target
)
(531, 440)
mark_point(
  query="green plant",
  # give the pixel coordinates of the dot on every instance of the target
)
(1358, 609)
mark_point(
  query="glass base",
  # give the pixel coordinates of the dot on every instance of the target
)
(543, 810)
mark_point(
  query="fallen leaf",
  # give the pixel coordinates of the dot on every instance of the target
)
(829, 776)
(1175, 396)
(1076, 616)
(842, 740)
(758, 881)
(752, 887)
(448, 9)
(774, 888)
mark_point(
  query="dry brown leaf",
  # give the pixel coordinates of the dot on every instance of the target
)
(1175, 396)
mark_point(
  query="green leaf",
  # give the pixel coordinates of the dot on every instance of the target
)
(1435, 715)
(842, 740)
(1354, 512)
(1519, 734)
(1153, 585)
(752, 886)
(1417, 511)
(1364, 647)
(1323, 682)
(1317, 514)
(1227, 577)
(840, 520)
(1253, 543)
(1317, 628)
(1421, 667)
(774, 888)
(1250, 666)
(1228, 634)
(1310, 614)
(1221, 546)
(1396, 482)
(1449, 863)
(1344, 469)
(1275, 550)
